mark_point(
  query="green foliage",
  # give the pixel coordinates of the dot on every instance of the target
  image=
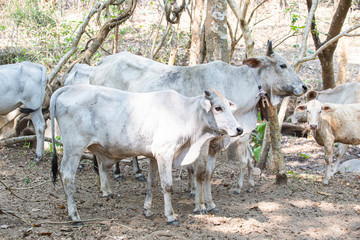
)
(257, 139)
(31, 13)
(304, 155)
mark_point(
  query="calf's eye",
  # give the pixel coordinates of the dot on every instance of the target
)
(218, 109)
(283, 66)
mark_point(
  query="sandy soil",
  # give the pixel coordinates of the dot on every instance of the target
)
(302, 209)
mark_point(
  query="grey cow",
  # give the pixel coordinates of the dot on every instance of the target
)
(134, 73)
(23, 85)
(164, 126)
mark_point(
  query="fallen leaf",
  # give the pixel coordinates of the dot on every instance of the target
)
(62, 206)
(324, 193)
(36, 225)
(45, 234)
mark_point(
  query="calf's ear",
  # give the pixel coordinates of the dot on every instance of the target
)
(232, 105)
(311, 95)
(206, 105)
(300, 108)
(327, 108)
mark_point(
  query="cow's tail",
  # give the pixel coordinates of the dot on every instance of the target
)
(27, 110)
(53, 99)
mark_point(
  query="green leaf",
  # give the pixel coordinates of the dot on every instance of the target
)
(257, 152)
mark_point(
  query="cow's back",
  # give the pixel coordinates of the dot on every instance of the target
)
(343, 94)
(344, 122)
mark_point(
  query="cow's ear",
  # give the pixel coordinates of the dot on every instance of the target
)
(311, 95)
(252, 62)
(206, 105)
(300, 108)
(232, 105)
(327, 108)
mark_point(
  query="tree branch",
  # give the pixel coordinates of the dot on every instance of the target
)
(324, 46)
(74, 45)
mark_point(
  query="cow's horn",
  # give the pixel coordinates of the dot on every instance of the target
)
(269, 48)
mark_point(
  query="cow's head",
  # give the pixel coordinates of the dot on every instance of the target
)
(219, 114)
(277, 76)
(314, 109)
(300, 115)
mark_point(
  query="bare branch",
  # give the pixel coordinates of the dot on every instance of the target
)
(307, 29)
(74, 48)
(324, 46)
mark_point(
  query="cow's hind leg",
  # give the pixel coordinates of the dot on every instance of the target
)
(39, 125)
(153, 171)
(117, 173)
(68, 169)
(250, 169)
(191, 181)
(137, 171)
(339, 157)
(104, 182)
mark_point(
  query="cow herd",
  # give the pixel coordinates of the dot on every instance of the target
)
(129, 106)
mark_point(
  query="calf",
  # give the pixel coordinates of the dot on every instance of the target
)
(23, 84)
(111, 124)
(332, 123)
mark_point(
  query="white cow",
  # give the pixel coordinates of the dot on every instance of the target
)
(78, 74)
(134, 73)
(23, 85)
(332, 123)
(342, 94)
(112, 125)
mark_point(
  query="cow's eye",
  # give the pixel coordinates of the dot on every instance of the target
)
(283, 66)
(219, 109)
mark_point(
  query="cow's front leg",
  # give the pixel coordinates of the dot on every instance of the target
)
(199, 172)
(191, 180)
(210, 166)
(328, 161)
(68, 169)
(165, 166)
(250, 165)
(39, 125)
(153, 170)
(242, 155)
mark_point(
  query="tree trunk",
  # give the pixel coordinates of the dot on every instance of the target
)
(341, 76)
(197, 51)
(326, 56)
(275, 135)
(216, 31)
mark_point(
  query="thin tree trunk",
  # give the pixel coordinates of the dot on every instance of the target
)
(197, 34)
(275, 135)
(341, 76)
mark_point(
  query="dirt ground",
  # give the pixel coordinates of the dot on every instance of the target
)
(302, 209)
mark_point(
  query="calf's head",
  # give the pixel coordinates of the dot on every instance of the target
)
(314, 110)
(219, 114)
(277, 76)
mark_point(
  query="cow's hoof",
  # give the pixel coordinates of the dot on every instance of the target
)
(80, 167)
(111, 195)
(250, 190)
(191, 195)
(214, 210)
(148, 214)
(326, 182)
(77, 223)
(141, 178)
(118, 178)
(236, 192)
(200, 212)
(173, 223)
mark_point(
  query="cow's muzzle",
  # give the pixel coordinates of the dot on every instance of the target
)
(313, 126)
